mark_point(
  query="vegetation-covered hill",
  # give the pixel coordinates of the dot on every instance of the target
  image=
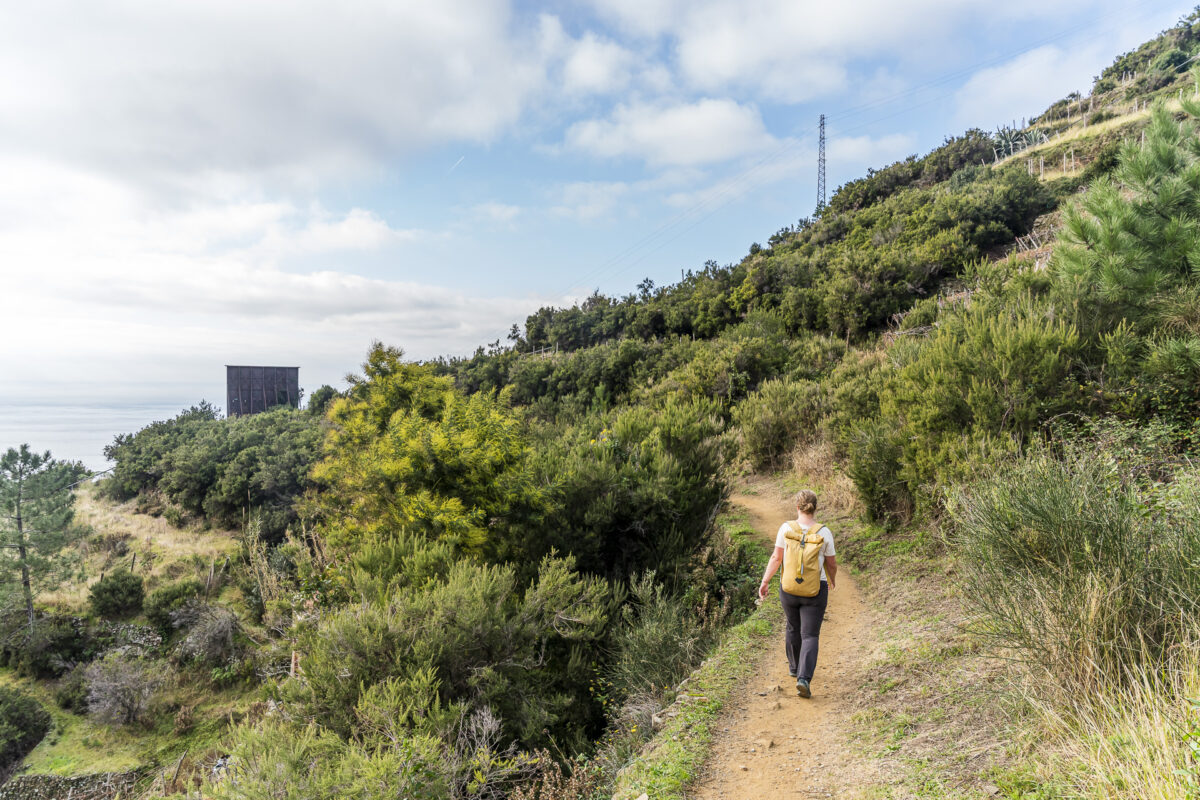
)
(480, 577)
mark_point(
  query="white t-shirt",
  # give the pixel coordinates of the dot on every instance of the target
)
(827, 548)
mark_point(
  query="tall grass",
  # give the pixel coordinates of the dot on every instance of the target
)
(1082, 562)
(1141, 739)
(1081, 567)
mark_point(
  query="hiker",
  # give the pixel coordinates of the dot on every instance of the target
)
(802, 546)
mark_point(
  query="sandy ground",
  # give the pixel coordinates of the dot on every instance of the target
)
(771, 743)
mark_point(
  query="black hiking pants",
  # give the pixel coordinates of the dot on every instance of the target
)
(804, 616)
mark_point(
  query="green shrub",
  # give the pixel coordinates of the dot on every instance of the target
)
(117, 594)
(204, 466)
(986, 378)
(490, 644)
(53, 646)
(634, 494)
(23, 723)
(660, 640)
(71, 692)
(165, 599)
(773, 420)
(875, 469)
(922, 314)
(852, 391)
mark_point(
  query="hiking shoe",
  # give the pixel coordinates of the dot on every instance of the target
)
(802, 688)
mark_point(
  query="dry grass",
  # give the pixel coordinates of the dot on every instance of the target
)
(1143, 740)
(1078, 133)
(121, 537)
(815, 465)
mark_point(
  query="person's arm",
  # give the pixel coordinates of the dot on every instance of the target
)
(772, 567)
(831, 570)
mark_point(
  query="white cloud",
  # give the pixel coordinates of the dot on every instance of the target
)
(585, 66)
(641, 17)
(137, 293)
(231, 289)
(870, 150)
(782, 50)
(795, 50)
(597, 65)
(703, 132)
(357, 229)
(177, 90)
(191, 317)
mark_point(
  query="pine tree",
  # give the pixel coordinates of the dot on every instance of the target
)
(1137, 234)
(36, 509)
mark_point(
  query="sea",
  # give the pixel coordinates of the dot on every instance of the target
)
(75, 432)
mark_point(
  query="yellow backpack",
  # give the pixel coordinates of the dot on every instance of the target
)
(802, 560)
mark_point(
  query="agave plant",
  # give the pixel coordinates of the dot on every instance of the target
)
(1006, 140)
(1034, 136)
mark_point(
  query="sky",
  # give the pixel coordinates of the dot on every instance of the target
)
(186, 185)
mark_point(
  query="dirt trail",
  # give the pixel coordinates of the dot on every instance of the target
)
(772, 743)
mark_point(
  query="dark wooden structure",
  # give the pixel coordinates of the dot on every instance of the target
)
(249, 390)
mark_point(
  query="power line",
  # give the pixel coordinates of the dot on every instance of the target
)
(90, 477)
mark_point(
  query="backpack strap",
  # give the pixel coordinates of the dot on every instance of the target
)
(815, 528)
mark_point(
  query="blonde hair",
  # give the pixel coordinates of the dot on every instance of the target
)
(806, 501)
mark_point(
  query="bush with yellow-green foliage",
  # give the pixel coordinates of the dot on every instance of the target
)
(408, 452)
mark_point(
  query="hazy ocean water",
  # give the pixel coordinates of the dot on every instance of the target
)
(75, 432)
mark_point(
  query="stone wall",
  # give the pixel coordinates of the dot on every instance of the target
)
(98, 786)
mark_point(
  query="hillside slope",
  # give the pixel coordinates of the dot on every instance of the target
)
(189, 716)
(482, 578)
